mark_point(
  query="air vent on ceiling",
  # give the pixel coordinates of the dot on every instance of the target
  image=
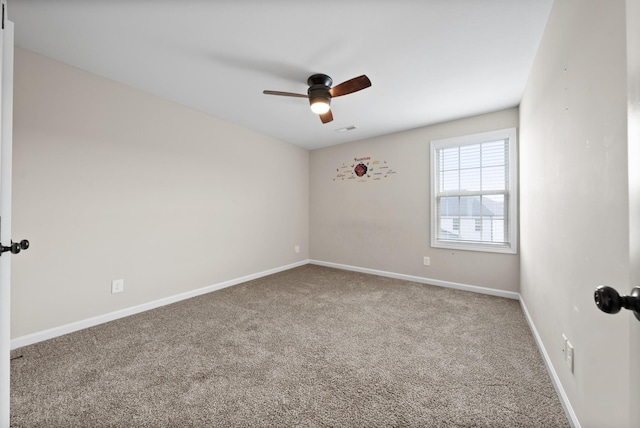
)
(347, 128)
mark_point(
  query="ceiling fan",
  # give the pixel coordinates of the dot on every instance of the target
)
(320, 93)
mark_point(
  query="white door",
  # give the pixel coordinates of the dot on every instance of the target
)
(6, 120)
(633, 123)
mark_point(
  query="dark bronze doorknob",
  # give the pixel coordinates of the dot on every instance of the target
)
(15, 247)
(610, 301)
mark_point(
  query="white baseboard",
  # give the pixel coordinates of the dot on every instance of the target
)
(437, 282)
(564, 399)
(40, 336)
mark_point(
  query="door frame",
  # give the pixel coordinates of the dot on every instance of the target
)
(6, 144)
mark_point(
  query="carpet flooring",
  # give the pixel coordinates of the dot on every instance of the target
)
(308, 347)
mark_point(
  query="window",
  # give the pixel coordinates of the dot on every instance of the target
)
(474, 192)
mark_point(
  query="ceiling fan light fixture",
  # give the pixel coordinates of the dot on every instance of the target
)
(320, 105)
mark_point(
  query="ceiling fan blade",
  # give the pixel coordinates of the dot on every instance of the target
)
(326, 117)
(350, 86)
(285, 94)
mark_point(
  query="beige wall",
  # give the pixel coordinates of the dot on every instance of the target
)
(110, 183)
(574, 207)
(384, 225)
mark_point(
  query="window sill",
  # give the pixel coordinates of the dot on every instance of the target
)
(474, 246)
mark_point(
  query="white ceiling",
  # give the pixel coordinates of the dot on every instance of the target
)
(429, 61)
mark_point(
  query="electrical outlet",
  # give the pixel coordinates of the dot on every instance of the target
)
(427, 261)
(117, 286)
(570, 356)
(564, 347)
(296, 248)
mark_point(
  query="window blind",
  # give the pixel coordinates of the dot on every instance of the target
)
(472, 192)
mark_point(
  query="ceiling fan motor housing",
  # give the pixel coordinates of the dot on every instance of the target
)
(319, 86)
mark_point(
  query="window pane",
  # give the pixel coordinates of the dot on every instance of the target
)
(493, 230)
(470, 209)
(449, 206)
(470, 156)
(493, 206)
(469, 206)
(448, 209)
(449, 159)
(493, 178)
(470, 179)
(493, 219)
(449, 181)
(494, 153)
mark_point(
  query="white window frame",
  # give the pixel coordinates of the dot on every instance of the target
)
(511, 247)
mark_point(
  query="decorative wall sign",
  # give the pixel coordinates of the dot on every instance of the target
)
(364, 169)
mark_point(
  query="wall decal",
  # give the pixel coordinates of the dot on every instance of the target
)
(364, 169)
